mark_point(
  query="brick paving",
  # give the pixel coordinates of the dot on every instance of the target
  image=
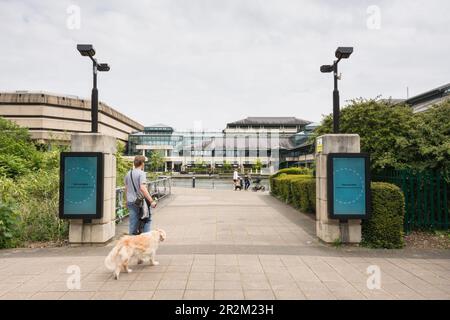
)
(229, 245)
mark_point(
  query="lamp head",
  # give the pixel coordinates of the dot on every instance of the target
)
(343, 52)
(86, 50)
(326, 69)
(103, 67)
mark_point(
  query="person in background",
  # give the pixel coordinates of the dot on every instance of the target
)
(137, 183)
(246, 182)
(235, 176)
(238, 184)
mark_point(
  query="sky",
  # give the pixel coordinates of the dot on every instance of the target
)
(204, 63)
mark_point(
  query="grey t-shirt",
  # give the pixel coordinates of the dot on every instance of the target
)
(139, 177)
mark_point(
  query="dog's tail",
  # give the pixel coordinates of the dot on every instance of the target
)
(110, 260)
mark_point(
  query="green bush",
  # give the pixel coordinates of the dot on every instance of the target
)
(11, 165)
(384, 229)
(279, 185)
(304, 194)
(274, 182)
(8, 226)
(39, 208)
(293, 171)
(285, 187)
(35, 197)
(29, 188)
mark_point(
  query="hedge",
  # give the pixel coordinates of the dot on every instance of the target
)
(292, 171)
(304, 195)
(297, 190)
(384, 229)
(275, 181)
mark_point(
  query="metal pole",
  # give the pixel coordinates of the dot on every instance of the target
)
(336, 107)
(94, 100)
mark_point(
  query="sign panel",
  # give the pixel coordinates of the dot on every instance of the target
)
(319, 145)
(81, 185)
(348, 186)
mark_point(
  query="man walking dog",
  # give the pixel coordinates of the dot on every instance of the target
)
(135, 181)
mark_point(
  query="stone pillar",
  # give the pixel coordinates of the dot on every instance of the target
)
(99, 230)
(330, 230)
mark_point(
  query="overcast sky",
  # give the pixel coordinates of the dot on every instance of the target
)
(181, 62)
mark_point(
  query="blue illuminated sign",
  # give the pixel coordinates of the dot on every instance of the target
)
(81, 185)
(348, 186)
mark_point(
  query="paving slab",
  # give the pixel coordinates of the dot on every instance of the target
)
(229, 245)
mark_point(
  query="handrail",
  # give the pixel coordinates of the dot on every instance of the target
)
(158, 189)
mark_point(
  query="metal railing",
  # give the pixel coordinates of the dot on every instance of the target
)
(158, 189)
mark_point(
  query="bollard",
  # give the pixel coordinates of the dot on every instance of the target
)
(193, 182)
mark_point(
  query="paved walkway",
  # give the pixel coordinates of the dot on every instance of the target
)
(230, 245)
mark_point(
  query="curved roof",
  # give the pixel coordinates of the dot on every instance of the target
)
(159, 125)
(269, 121)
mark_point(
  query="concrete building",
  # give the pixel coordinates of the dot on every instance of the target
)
(53, 117)
(242, 144)
(424, 101)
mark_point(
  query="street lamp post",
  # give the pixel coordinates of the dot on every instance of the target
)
(341, 53)
(87, 50)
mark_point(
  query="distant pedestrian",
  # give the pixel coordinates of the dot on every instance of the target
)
(246, 182)
(238, 184)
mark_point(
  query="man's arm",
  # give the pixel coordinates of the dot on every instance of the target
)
(145, 192)
(147, 195)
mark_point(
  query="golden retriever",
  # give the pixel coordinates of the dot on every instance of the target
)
(143, 247)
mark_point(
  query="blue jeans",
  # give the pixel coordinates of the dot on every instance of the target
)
(134, 219)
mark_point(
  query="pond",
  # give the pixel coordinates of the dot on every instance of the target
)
(211, 183)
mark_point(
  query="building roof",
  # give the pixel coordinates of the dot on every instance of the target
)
(24, 97)
(157, 128)
(424, 100)
(159, 125)
(269, 121)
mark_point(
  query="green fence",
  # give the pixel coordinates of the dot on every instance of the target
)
(426, 197)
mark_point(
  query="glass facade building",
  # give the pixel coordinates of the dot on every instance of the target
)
(240, 146)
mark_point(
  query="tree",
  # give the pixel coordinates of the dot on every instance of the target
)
(200, 163)
(226, 166)
(434, 137)
(18, 154)
(258, 165)
(394, 136)
(122, 164)
(29, 188)
(156, 161)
